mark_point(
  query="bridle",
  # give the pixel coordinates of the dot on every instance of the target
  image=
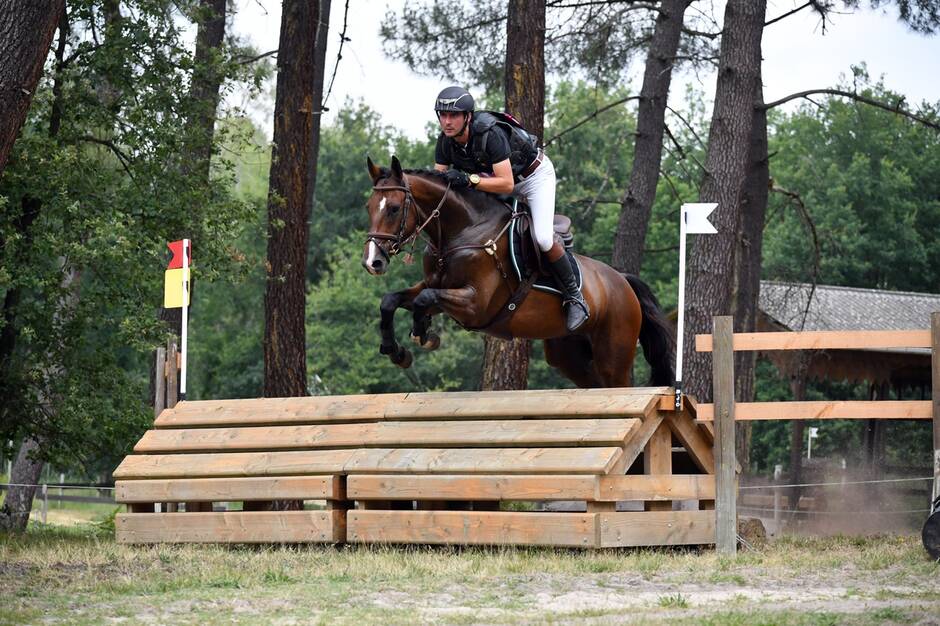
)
(400, 240)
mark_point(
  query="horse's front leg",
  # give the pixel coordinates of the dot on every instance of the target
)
(390, 303)
(461, 304)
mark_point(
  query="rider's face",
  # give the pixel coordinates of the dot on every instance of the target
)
(451, 122)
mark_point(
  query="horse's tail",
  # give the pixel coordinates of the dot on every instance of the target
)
(656, 335)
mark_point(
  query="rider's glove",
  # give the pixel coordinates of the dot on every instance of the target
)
(457, 179)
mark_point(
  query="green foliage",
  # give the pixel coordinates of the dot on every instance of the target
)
(101, 165)
(868, 179)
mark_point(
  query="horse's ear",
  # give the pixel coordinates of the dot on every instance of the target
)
(396, 168)
(374, 171)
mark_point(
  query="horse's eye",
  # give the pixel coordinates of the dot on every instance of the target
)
(393, 209)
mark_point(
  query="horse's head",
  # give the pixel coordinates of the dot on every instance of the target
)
(392, 216)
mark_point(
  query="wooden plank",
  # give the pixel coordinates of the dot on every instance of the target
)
(723, 383)
(826, 409)
(371, 461)
(656, 528)
(636, 443)
(473, 528)
(565, 403)
(472, 433)
(823, 340)
(229, 489)
(231, 527)
(640, 487)
(493, 487)
(290, 463)
(696, 442)
(482, 461)
(935, 395)
(278, 410)
(657, 460)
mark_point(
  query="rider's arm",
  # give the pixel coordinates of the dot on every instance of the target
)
(500, 182)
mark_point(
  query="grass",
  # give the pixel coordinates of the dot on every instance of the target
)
(77, 573)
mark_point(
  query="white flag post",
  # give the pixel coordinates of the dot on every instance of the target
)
(693, 220)
(185, 321)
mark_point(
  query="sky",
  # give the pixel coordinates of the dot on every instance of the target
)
(798, 55)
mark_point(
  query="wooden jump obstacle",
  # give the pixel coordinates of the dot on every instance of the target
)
(427, 468)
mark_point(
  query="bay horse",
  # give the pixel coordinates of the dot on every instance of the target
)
(465, 278)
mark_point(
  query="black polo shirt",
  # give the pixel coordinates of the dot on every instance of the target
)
(449, 152)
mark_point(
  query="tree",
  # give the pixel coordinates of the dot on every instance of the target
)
(26, 31)
(98, 186)
(506, 363)
(712, 261)
(637, 202)
(285, 368)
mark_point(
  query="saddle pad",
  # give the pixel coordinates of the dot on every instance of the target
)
(544, 282)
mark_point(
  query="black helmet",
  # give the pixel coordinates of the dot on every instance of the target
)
(454, 99)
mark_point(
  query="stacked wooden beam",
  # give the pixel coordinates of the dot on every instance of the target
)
(422, 468)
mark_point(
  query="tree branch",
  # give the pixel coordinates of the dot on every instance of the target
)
(895, 108)
(787, 14)
(590, 117)
(250, 60)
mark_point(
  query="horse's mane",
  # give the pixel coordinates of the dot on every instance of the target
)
(479, 199)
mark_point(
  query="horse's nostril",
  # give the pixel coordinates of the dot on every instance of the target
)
(377, 264)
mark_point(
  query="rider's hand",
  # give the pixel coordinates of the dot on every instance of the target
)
(457, 179)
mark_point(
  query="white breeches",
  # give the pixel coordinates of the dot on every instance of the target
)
(538, 191)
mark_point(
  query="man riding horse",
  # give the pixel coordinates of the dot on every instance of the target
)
(475, 143)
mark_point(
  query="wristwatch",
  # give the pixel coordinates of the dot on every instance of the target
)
(474, 180)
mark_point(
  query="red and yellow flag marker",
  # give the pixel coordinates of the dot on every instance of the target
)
(176, 277)
(176, 290)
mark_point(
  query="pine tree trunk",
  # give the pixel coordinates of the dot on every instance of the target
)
(747, 296)
(637, 203)
(285, 367)
(506, 363)
(319, 63)
(26, 30)
(14, 515)
(711, 268)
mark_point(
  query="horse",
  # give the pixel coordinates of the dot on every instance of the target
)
(465, 278)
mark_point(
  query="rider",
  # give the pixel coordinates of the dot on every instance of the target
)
(473, 142)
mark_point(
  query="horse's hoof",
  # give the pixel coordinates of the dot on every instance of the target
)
(433, 342)
(406, 359)
(415, 339)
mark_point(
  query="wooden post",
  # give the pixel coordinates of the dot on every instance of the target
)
(159, 385)
(657, 459)
(935, 394)
(726, 528)
(172, 374)
(45, 502)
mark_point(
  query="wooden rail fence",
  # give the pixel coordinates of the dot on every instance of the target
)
(723, 342)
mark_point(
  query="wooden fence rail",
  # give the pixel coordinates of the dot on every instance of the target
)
(723, 343)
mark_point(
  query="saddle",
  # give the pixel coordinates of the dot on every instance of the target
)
(526, 257)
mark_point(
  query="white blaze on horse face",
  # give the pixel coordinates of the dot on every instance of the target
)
(382, 204)
(372, 253)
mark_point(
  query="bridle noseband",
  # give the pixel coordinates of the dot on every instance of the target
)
(400, 240)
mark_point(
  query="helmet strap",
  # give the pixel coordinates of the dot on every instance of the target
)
(466, 120)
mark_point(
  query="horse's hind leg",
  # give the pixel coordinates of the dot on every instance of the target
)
(572, 357)
(614, 350)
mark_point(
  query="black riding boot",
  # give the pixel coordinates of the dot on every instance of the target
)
(576, 308)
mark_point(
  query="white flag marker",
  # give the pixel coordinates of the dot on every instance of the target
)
(693, 220)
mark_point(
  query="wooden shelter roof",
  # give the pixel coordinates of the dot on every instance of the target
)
(800, 306)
